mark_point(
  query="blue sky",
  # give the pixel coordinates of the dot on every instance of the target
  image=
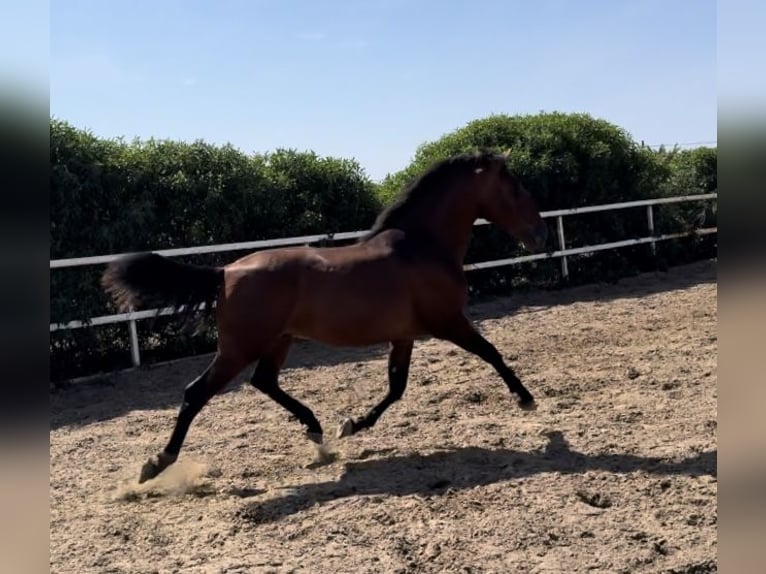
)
(373, 79)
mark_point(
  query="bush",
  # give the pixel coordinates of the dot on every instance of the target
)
(566, 160)
(687, 172)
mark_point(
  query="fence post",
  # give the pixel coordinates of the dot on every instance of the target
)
(650, 223)
(134, 351)
(562, 247)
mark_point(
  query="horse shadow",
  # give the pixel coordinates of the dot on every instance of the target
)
(464, 468)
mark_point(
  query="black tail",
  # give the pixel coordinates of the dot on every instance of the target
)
(147, 280)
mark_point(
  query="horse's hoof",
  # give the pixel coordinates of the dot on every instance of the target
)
(315, 437)
(150, 470)
(528, 405)
(324, 457)
(346, 428)
(155, 465)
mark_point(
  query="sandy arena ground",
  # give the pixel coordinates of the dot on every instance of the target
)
(615, 472)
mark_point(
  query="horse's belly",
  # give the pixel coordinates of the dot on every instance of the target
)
(342, 315)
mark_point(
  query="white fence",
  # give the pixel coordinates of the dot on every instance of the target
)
(562, 252)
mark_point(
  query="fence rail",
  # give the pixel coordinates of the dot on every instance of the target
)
(562, 252)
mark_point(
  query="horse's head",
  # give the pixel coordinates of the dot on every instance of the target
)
(505, 202)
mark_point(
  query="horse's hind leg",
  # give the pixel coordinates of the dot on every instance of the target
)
(196, 395)
(399, 359)
(266, 379)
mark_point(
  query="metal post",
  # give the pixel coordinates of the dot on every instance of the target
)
(134, 351)
(650, 222)
(562, 247)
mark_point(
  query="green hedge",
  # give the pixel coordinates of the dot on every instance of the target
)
(689, 172)
(112, 196)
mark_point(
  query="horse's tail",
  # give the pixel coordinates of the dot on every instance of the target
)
(146, 280)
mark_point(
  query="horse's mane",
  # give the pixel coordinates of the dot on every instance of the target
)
(427, 186)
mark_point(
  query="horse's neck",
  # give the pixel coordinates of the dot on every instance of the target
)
(448, 222)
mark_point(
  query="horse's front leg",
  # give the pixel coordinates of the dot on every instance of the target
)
(399, 360)
(462, 333)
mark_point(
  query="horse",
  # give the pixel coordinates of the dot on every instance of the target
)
(401, 281)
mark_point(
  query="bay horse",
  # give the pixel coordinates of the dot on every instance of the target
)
(401, 281)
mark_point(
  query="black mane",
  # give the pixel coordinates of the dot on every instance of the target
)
(427, 186)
